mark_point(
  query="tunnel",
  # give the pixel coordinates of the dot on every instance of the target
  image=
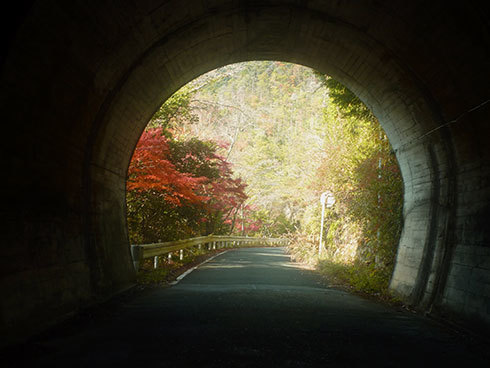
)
(80, 81)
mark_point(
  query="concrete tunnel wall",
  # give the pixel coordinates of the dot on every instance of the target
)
(81, 80)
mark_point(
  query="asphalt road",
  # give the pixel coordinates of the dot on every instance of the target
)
(249, 308)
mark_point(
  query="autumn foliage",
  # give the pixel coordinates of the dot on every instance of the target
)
(177, 189)
(151, 170)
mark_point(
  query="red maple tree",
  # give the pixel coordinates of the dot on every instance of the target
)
(151, 170)
(196, 186)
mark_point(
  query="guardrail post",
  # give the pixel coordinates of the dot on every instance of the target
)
(137, 255)
(155, 262)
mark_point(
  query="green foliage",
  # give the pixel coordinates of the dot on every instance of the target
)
(349, 105)
(174, 113)
(360, 277)
(362, 172)
(359, 167)
(303, 248)
(152, 219)
(271, 224)
(195, 156)
(149, 277)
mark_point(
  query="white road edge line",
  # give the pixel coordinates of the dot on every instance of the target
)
(180, 277)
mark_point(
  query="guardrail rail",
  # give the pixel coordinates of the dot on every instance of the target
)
(155, 250)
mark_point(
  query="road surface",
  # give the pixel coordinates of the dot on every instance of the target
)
(249, 308)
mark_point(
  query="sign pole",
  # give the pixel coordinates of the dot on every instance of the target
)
(329, 199)
(322, 199)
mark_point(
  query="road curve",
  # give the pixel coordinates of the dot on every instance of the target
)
(250, 308)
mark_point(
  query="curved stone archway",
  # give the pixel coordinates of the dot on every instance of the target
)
(80, 82)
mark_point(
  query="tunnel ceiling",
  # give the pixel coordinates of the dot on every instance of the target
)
(81, 80)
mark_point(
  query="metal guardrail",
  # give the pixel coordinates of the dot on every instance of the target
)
(145, 251)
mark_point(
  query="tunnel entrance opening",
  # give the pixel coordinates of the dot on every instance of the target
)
(100, 72)
(250, 147)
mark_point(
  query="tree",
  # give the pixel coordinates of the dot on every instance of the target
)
(177, 189)
(224, 192)
(151, 170)
(175, 113)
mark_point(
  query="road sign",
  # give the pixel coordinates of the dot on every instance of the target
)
(327, 199)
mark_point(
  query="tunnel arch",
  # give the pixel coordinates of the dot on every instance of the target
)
(101, 72)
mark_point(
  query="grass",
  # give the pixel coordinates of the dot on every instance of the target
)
(168, 270)
(153, 277)
(358, 277)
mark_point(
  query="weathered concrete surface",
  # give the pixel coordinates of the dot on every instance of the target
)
(81, 79)
(250, 308)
